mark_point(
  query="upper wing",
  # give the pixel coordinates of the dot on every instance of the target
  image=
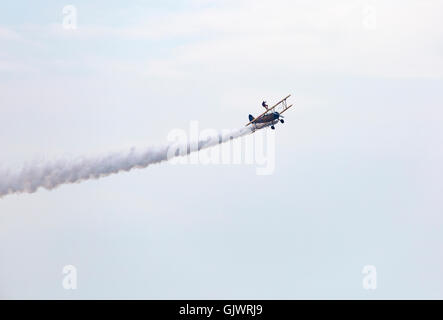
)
(270, 109)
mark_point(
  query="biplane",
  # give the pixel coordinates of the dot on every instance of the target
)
(271, 116)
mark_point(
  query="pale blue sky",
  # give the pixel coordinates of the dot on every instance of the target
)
(358, 162)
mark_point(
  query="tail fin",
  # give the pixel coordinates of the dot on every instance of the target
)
(251, 117)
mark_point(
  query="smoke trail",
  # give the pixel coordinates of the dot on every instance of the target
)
(52, 174)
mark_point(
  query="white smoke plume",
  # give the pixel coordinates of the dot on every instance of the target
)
(53, 174)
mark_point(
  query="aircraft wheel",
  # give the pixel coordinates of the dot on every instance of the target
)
(282, 121)
(272, 127)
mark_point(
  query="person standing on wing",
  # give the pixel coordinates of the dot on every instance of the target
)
(264, 105)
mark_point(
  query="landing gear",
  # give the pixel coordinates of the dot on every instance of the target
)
(272, 127)
(282, 121)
